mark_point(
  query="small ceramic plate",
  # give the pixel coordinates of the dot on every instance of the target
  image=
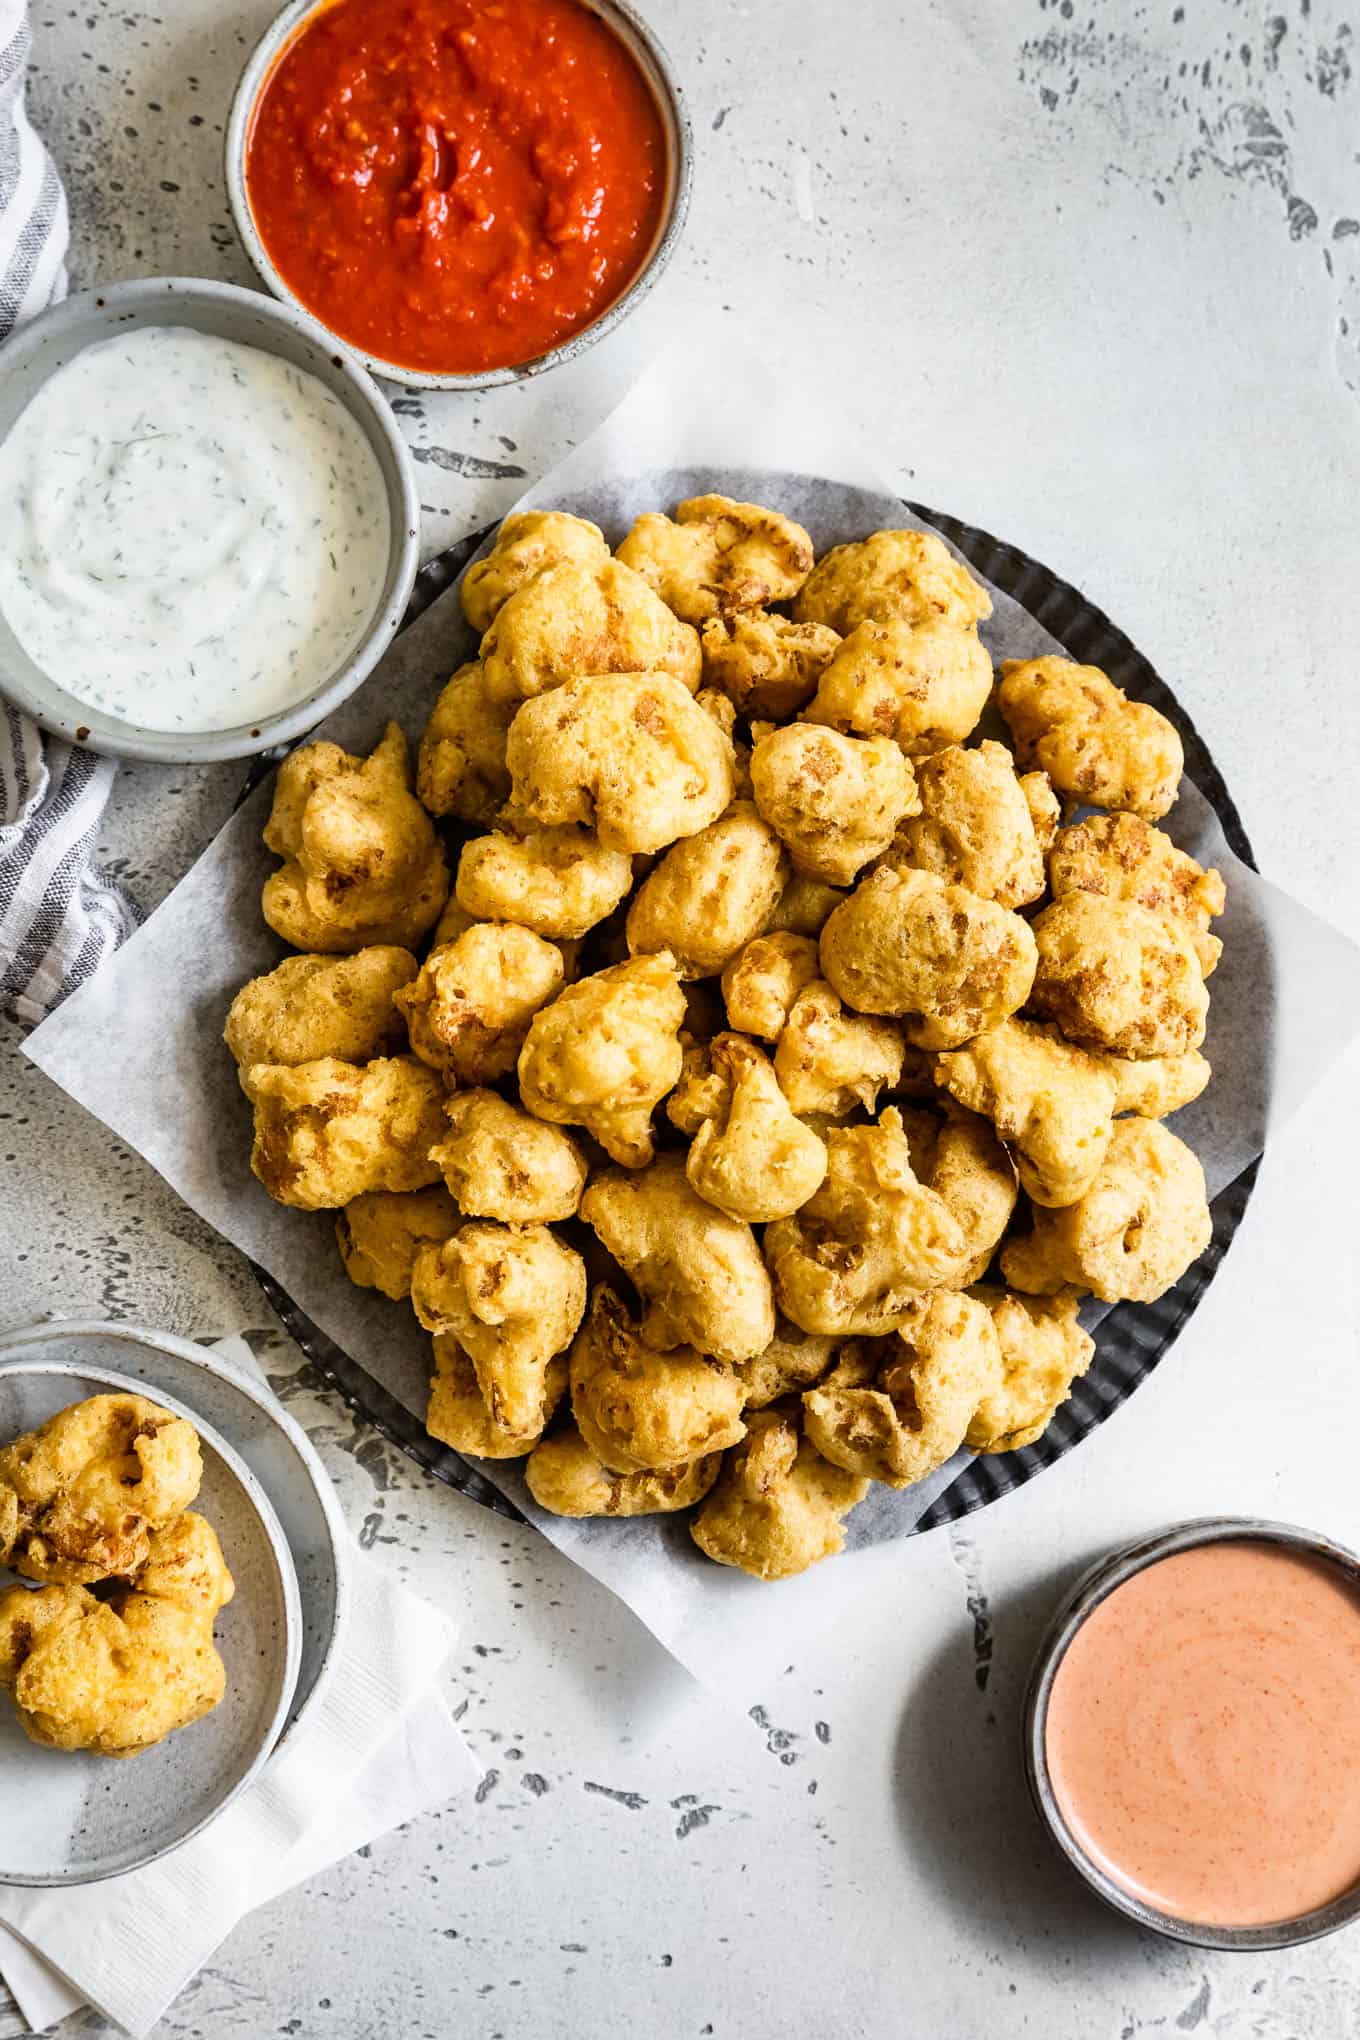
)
(73, 1818)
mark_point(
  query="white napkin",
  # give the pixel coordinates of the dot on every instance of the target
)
(380, 1748)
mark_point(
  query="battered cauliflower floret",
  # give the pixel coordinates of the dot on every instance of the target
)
(835, 801)
(640, 1410)
(606, 1052)
(584, 617)
(975, 828)
(469, 1010)
(765, 664)
(564, 1476)
(327, 1131)
(778, 1505)
(117, 1676)
(460, 766)
(719, 556)
(922, 684)
(1122, 857)
(963, 1162)
(895, 1409)
(81, 1497)
(710, 894)
(1118, 978)
(1159, 1085)
(704, 1090)
(631, 755)
(946, 962)
(526, 544)
(911, 575)
(698, 1271)
(858, 1255)
(762, 982)
(805, 906)
(557, 882)
(754, 1159)
(719, 710)
(1054, 1103)
(500, 1162)
(512, 1296)
(1045, 809)
(458, 1414)
(313, 1006)
(830, 1062)
(1098, 747)
(380, 1234)
(1132, 1235)
(361, 863)
(1043, 1350)
(793, 1360)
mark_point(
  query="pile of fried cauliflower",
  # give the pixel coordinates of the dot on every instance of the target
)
(781, 1072)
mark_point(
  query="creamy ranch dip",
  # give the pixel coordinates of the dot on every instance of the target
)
(193, 533)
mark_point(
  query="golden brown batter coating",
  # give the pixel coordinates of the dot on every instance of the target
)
(565, 1477)
(460, 766)
(500, 1162)
(327, 1131)
(469, 1009)
(834, 801)
(710, 894)
(380, 1234)
(1098, 747)
(526, 544)
(458, 1414)
(1053, 1102)
(922, 684)
(606, 1052)
(765, 664)
(313, 1006)
(584, 617)
(1159, 1085)
(762, 982)
(641, 1410)
(718, 556)
(1043, 1350)
(1118, 978)
(778, 1505)
(793, 1360)
(961, 1159)
(907, 574)
(361, 863)
(512, 1297)
(975, 827)
(557, 882)
(753, 1159)
(831, 1062)
(1122, 857)
(804, 907)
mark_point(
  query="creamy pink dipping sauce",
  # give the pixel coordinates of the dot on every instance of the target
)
(1203, 1734)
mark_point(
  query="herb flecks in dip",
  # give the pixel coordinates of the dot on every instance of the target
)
(456, 185)
(193, 534)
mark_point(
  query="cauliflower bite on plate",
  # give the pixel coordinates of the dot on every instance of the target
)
(764, 663)
(1053, 1102)
(830, 1062)
(923, 684)
(315, 1006)
(975, 828)
(500, 1162)
(381, 1232)
(1118, 978)
(526, 544)
(564, 1476)
(581, 617)
(460, 766)
(834, 801)
(711, 893)
(1122, 857)
(763, 980)
(777, 1507)
(753, 1159)
(1043, 1350)
(469, 1009)
(891, 574)
(643, 1410)
(793, 1360)
(606, 1052)
(961, 1159)
(718, 556)
(326, 1131)
(1099, 748)
(458, 1413)
(558, 882)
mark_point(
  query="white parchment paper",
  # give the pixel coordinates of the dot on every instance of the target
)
(140, 1046)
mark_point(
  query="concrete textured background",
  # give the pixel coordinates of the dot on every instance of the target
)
(1090, 272)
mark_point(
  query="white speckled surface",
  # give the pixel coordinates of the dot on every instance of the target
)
(1091, 273)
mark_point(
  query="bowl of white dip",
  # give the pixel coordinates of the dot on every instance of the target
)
(208, 521)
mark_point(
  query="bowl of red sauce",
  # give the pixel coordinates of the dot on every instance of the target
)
(1192, 1733)
(465, 192)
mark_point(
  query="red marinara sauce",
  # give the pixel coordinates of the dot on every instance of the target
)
(456, 185)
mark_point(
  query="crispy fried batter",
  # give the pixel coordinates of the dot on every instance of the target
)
(314, 1006)
(527, 543)
(922, 684)
(327, 1131)
(1043, 1350)
(1159, 1085)
(469, 1010)
(512, 1297)
(793, 1360)
(460, 766)
(606, 1052)
(961, 1159)
(558, 882)
(719, 556)
(907, 574)
(381, 1232)
(642, 1410)
(500, 1162)
(804, 907)
(1118, 978)
(565, 1477)
(763, 980)
(1053, 1102)
(829, 1061)
(834, 800)
(710, 894)
(1123, 857)
(764, 663)
(579, 617)
(753, 1159)
(975, 827)
(778, 1505)
(458, 1415)
(1097, 746)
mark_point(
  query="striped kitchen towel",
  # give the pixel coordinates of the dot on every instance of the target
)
(58, 915)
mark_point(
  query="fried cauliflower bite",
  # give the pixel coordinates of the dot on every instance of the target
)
(81, 1497)
(460, 765)
(1098, 747)
(947, 963)
(754, 1159)
(314, 1006)
(975, 828)
(719, 710)
(710, 894)
(793, 1360)
(777, 1506)
(526, 544)
(911, 575)
(512, 1297)
(895, 1409)
(606, 1052)
(117, 1676)
(765, 664)
(1043, 1350)
(857, 1257)
(361, 863)
(703, 1091)
(557, 882)
(458, 1415)
(1132, 1235)
(642, 1410)
(1045, 809)
(327, 1131)
(718, 556)
(1118, 978)
(1122, 857)
(961, 1159)
(1053, 1102)
(380, 1233)
(763, 980)
(698, 1272)
(584, 618)
(834, 801)
(922, 684)
(469, 1009)
(631, 755)
(830, 1062)
(1159, 1085)
(500, 1162)
(564, 1476)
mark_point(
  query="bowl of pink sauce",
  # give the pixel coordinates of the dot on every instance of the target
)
(1192, 1733)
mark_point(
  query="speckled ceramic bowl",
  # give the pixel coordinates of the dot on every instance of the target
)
(252, 320)
(73, 1818)
(637, 37)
